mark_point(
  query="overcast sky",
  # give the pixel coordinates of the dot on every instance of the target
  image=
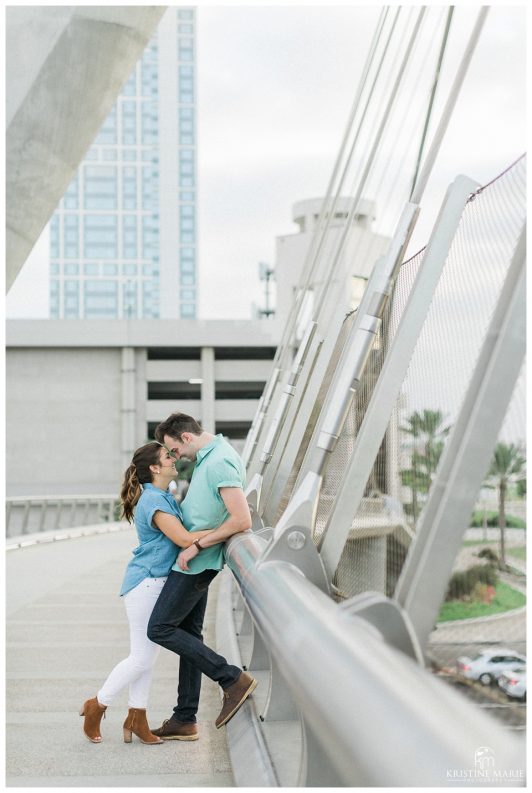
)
(275, 87)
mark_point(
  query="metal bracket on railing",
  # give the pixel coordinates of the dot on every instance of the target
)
(292, 537)
(294, 544)
(389, 618)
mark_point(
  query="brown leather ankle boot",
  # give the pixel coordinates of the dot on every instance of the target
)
(93, 712)
(137, 723)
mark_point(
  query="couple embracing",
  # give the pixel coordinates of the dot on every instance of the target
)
(165, 597)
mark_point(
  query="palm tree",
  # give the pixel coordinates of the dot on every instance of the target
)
(428, 430)
(507, 466)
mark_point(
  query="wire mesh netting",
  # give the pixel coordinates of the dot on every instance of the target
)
(484, 604)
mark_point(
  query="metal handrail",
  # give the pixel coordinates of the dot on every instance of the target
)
(38, 507)
(363, 703)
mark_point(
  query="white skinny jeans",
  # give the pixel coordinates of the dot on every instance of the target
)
(137, 669)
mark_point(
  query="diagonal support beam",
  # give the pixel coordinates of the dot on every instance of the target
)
(65, 67)
(465, 460)
(393, 372)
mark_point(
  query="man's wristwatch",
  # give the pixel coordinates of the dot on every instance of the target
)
(198, 546)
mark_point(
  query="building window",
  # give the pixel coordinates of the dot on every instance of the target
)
(235, 430)
(129, 237)
(149, 187)
(129, 299)
(101, 299)
(150, 238)
(150, 269)
(186, 49)
(100, 237)
(71, 241)
(130, 269)
(90, 269)
(239, 390)
(188, 311)
(150, 300)
(174, 354)
(244, 353)
(71, 269)
(129, 188)
(179, 390)
(71, 301)
(187, 196)
(54, 237)
(188, 279)
(100, 187)
(188, 294)
(129, 123)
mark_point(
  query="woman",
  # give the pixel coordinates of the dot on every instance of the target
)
(160, 530)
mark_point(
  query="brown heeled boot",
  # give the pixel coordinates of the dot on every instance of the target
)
(93, 712)
(137, 723)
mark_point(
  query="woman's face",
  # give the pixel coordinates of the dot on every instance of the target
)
(166, 463)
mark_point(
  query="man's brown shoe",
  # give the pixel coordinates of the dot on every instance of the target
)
(234, 696)
(173, 730)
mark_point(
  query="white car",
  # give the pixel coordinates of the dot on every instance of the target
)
(489, 664)
(514, 683)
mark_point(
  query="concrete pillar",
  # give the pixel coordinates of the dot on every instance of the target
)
(65, 67)
(207, 389)
(141, 400)
(128, 411)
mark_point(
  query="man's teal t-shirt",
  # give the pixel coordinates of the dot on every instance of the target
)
(217, 465)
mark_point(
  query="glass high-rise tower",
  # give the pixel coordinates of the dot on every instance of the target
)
(123, 238)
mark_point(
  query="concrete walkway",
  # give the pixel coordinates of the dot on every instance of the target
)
(66, 628)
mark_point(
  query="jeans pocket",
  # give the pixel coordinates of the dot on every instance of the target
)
(203, 580)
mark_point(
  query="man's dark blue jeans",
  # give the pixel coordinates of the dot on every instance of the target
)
(176, 623)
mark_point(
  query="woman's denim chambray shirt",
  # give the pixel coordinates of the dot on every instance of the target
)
(156, 553)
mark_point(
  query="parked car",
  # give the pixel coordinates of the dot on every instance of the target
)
(514, 683)
(489, 664)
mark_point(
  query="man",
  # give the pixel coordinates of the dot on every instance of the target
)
(215, 498)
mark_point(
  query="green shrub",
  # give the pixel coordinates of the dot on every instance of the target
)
(492, 520)
(488, 553)
(463, 582)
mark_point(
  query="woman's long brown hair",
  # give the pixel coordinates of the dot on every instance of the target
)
(138, 473)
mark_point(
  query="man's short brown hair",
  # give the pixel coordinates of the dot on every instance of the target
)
(175, 425)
